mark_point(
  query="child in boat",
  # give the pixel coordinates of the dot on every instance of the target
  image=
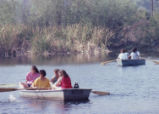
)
(55, 78)
(31, 76)
(123, 55)
(42, 82)
(135, 54)
(64, 81)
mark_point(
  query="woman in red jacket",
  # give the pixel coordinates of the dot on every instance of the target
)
(65, 81)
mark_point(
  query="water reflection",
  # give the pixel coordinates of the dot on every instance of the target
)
(56, 60)
(37, 104)
(64, 59)
(51, 105)
(135, 87)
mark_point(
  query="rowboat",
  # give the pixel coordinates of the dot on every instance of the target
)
(131, 62)
(65, 95)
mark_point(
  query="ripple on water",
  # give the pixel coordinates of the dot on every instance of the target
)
(134, 90)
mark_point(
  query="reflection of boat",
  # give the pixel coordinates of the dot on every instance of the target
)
(131, 62)
(66, 94)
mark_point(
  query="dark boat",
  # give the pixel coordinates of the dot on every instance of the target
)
(131, 62)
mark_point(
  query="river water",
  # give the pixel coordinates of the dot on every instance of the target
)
(134, 90)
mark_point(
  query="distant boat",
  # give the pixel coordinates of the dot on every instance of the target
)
(65, 95)
(131, 62)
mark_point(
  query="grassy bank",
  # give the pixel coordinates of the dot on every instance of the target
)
(21, 40)
(55, 27)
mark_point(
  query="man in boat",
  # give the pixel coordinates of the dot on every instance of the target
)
(123, 55)
(135, 54)
(42, 82)
(31, 76)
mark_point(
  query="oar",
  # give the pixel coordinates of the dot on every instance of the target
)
(8, 89)
(4, 89)
(106, 62)
(16, 89)
(101, 93)
(156, 62)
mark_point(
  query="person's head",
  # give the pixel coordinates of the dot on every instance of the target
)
(134, 50)
(64, 73)
(34, 69)
(42, 73)
(56, 71)
(122, 51)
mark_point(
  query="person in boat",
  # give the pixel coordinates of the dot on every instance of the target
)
(123, 55)
(31, 76)
(56, 76)
(42, 82)
(64, 81)
(135, 54)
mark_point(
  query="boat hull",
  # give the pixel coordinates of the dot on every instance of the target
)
(65, 95)
(131, 62)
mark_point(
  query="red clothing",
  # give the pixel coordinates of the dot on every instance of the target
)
(66, 83)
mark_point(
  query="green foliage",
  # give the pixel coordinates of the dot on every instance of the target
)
(72, 25)
(151, 32)
(8, 11)
(107, 13)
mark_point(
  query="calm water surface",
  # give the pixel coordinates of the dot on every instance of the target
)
(135, 90)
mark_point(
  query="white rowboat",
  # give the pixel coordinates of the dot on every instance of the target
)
(65, 95)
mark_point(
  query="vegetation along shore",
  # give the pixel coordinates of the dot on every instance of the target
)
(52, 27)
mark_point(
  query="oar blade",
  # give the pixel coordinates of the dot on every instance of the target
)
(106, 62)
(156, 62)
(101, 93)
(7, 89)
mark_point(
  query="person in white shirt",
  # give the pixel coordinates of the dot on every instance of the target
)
(123, 55)
(126, 54)
(135, 54)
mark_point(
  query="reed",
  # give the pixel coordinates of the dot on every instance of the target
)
(52, 40)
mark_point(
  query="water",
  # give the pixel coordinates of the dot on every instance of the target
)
(134, 90)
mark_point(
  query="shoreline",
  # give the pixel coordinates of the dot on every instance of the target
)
(29, 54)
(94, 53)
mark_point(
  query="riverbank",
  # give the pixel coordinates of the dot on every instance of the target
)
(21, 40)
(52, 28)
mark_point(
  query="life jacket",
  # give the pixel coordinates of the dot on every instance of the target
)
(66, 82)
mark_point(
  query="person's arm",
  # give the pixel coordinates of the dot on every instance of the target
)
(138, 53)
(53, 79)
(131, 55)
(34, 84)
(27, 77)
(118, 56)
(128, 55)
(48, 85)
(58, 83)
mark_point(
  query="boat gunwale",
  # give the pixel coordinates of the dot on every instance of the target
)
(63, 90)
(130, 62)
